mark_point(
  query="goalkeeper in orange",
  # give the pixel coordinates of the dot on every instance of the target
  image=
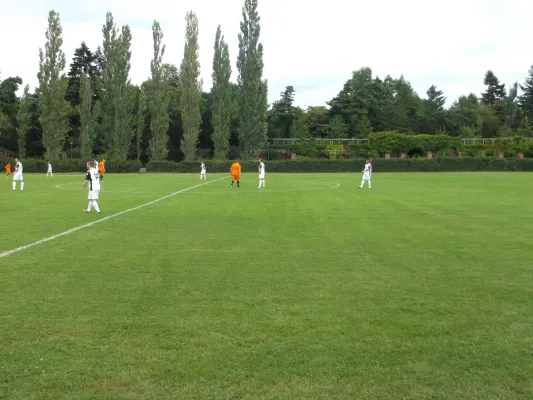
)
(236, 173)
(8, 169)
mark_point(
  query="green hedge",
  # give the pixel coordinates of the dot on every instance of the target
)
(77, 165)
(438, 164)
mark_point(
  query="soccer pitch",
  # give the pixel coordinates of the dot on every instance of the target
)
(419, 288)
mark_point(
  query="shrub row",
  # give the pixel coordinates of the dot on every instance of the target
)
(438, 164)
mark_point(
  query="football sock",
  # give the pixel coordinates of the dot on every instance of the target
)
(362, 183)
(95, 205)
(238, 183)
(14, 185)
(90, 206)
(22, 185)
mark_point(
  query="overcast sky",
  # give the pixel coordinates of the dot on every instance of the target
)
(311, 45)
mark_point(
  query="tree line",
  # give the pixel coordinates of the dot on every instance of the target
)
(94, 109)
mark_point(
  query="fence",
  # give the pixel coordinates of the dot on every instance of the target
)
(361, 141)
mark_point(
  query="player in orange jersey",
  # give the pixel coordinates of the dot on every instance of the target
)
(101, 169)
(236, 173)
(8, 169)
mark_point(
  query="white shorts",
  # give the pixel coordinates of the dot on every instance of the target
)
(262, 176)
(17, 176)
(93, 194)
(366, 177)
(49, 171)
(202, 173)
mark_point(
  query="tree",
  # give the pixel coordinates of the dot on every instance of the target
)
(281, 114)
(495, 91)
(9, 104)
(88, 118)
(109, 55)
(24, 120)
(363, 127)
(158, 99)
(317, 119)
(337, 127)
(116, 93)
(526, 127)
(53, 86)
(299, 127)
(511, 106)
(124, 97)
(191, 88)
(431, 115)
(526, 100)
(83, 62)
(469, 131)
(140, 122)
(221, 97)
(253, 104)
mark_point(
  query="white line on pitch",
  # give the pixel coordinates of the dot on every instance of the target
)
(27, 246)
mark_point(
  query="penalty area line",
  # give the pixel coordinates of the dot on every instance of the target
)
(48, 239)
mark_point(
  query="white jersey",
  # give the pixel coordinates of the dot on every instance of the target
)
(49, 167)
(93, 178)
(368, 169)
(18, 168)
(202, 166)
(262, 170)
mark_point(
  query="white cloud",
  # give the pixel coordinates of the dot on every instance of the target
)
(313, 46)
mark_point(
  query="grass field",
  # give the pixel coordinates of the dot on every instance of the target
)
(420, 288)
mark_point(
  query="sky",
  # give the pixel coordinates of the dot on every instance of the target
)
(312, 45)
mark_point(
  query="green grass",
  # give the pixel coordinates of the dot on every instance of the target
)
(420, 288)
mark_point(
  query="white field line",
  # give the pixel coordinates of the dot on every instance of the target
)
(27, 246)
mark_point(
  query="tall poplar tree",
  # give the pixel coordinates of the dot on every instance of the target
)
(124, 97)
(140, 122)
(221, 93)
(24, 120)
(253, 104)
(88, 118)
(52, 88)
(107, 96)
(158, 99)
(191, 89)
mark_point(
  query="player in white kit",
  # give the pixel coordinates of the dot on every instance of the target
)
(49, 171)
(203, 171)
(367, 173)
(93, 180)
(17, 175)
(261, 173)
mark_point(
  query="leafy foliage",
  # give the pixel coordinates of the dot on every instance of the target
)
(191, 88)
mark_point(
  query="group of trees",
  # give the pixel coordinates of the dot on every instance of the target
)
(95, 109)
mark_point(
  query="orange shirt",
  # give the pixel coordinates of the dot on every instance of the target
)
(101, 167)
(236, 169)
(8, 167)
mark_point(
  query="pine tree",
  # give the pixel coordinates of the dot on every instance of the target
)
(511, 106)
(191, 89)
(83, 62)
(53, 86)
(299, 128)
(221, 94)
(363, 127)
(253, 104)
(337, 127)
(88, 118)
(526, 100)
(494, 91)
(24, 120)
(158, 99)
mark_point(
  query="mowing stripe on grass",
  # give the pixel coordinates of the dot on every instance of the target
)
(27, 246)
